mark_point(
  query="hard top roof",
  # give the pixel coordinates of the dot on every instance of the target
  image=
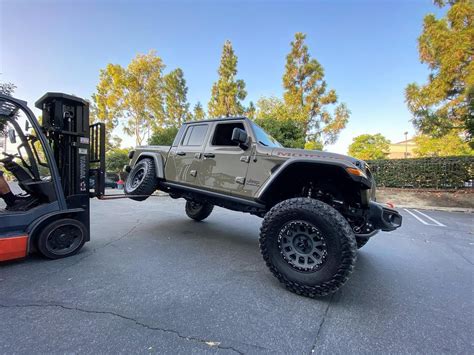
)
(219, 119)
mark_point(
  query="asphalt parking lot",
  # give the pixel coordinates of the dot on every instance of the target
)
(152, 280)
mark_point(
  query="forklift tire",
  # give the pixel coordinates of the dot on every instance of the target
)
(142, 180)
(61, 238)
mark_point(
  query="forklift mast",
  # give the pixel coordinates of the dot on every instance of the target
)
(78, 147)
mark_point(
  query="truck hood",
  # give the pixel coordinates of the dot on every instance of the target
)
(289, 153)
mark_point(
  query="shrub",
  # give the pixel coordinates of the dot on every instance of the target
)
(437, 173)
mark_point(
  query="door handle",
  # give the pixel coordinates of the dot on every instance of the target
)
(209, 155)
(180, 153)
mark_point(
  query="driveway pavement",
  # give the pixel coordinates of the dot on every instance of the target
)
(152, 280)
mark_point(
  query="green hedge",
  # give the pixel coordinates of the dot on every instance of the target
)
(437, 173)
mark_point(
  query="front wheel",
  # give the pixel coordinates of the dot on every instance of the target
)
(141, 181)
(198, 211)
(308, 246)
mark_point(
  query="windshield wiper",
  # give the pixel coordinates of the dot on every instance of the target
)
(266, 145)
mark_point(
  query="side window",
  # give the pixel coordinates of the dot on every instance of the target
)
(223, 133)
(195, 135)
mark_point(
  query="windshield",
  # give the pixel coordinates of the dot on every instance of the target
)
(264, 138)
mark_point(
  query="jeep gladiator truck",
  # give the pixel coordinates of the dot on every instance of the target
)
(317, 207)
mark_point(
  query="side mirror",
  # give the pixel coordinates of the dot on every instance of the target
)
(240, 137)
(12, 136)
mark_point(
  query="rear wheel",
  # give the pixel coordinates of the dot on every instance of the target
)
(308, 246)
(141, 181)
(61, 238)
(198, 211)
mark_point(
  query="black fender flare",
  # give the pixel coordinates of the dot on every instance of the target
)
(363, 180)
(159, 163)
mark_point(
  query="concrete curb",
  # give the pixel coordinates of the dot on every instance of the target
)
(436, 208)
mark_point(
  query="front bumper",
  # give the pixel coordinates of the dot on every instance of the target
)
(383, 218)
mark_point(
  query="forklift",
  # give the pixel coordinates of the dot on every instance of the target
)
(55, 164)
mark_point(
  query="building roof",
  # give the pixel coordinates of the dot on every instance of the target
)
(408, 141)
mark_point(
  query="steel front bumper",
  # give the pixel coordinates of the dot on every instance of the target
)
(383, 218)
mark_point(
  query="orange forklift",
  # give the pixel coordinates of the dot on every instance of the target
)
(53, 165)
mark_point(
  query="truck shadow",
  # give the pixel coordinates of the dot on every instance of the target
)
(209, 231)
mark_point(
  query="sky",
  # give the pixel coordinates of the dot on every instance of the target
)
(368, 48)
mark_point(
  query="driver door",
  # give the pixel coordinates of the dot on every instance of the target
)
(224, 165)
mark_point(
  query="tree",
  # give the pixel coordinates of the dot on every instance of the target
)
(446, 45)
(313, 145)
(227, 93)
(369, 147)
(198, 112)
(276, 118)
(115, 160)
(106, 104)
(175, 91)
(251, 111)
(134, 93)
(5, 89)
(307, 96)
(450, 144)
(163, 136)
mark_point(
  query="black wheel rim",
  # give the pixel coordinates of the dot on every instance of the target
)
(194, 206)
(302, 245)
(64, 239)
(136, 178)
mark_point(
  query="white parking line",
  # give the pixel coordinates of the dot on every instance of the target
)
(438, 224)
(418, 218)
(430, 218)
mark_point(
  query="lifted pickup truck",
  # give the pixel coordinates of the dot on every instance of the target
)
(317, 207)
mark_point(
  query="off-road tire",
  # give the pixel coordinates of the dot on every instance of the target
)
(198, 211)
(49, 237)
(337, 233)
(147, 185)
(361, 242)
